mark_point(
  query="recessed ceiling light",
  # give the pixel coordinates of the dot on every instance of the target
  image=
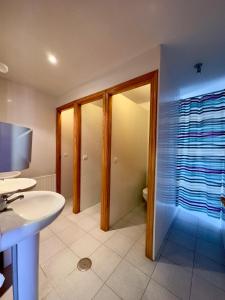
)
(52, 59)
(3, 68)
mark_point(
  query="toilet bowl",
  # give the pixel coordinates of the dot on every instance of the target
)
(145, 193)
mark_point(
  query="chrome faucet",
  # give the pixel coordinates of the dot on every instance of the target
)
(5, 200)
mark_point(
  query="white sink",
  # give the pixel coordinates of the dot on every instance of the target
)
(19, 229)
(38, 205)
(37, 210)
(16, 184)
(12, 174)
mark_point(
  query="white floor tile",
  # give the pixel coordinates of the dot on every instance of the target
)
(85, 246)
(173, 277)
(128, 282)
(60, 265)
(44, 285)
(122, 223)
(211, 250)
(93, 209)
(101, 235)
(71, 234)
(179, 255)
(122, 263)
(202, 289)
(155, 291)
(86, 222)
(133, 231)
(119, 243)
(104, 262)
(142, 239)
(45, 234)
(210, 270)
(141, 208)
(79, 285)
(162, 247)
(60, 224)
(136, 218)
(51, 296)
(76, 217)
(67, 209)
(136, 256)
(106, 293)
(97, 217)
(209, 233)
(183, 239)
(49, 248)
(186, 227)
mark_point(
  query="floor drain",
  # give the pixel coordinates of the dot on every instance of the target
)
(84, 264)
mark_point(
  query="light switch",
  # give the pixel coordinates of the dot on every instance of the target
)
(115, 159)
(65, 154)
(85, 157)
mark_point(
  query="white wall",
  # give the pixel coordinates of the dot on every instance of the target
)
(129, 140)
(23, 105)
(139, 65)
(182, 58)
(67, 153)
(91, 146)
(165, 208)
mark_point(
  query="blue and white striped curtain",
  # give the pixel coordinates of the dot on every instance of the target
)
(223, 194)
(201, 153)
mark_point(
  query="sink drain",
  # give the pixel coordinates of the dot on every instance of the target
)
(84, 264)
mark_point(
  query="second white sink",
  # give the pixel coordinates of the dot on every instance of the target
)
(35, 211)
(19, 230)
(7, 175)
(37, 205)
(16, 184)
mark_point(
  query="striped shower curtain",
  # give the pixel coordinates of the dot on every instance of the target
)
(201, 153)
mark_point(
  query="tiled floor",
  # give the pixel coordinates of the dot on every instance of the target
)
(191, 264)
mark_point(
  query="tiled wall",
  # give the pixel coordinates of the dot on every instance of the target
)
(23, 105)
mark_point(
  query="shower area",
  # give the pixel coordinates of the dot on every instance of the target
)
(201, 157)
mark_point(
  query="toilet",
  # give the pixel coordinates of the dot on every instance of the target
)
(145, 193)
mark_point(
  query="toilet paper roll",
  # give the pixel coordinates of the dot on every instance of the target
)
(2, 279)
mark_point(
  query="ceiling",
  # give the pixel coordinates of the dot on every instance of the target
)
(90, 37)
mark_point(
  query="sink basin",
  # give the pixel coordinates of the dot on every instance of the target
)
(35, 211)
(19, 230)
(16, 184)
(12, 174)
(37, 205)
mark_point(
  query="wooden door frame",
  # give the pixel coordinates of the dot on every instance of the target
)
(76, 106)
(149, 78)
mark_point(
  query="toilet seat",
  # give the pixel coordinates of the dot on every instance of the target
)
(145, 193)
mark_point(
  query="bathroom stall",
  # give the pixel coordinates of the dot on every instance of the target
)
(112, 134)
(91, 156)
(129, 152)
(67, 124)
